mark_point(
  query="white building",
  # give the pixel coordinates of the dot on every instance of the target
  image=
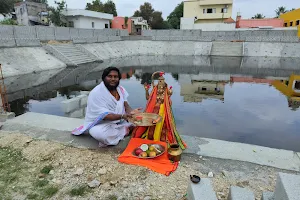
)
(87, 19)
(139, 24)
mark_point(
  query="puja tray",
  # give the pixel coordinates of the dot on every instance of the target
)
(147, 119)
(161, 148)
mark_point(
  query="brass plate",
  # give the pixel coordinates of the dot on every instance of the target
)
(161, 148)
(147, 119)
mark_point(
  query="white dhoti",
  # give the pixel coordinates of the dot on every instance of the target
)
(100, 101)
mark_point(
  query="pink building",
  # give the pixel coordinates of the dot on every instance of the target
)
(119, 23)
(255, 23)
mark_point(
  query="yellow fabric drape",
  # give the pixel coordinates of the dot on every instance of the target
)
(159, 126)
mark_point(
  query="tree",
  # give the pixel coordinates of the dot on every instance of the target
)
(40, 1)
(56, 16)
(157, 20)
(107, 7)
(9, 22)
(145, 11)
(7, 6)
(280, 10)
(258, 16)
(174, 17)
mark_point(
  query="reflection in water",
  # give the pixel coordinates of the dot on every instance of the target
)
(229, 102)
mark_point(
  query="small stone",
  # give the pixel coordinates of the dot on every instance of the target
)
(221, 195)
(200, 157)
(124, 184)
(51, 172)
(28, 141)
(243, 184)
(120, 198)
(147, 198)
(224, 173)
(113, 182)
(55, 164)
(79, 171)
(160, 197)
(210, 175)
(42, 175)
(94, 184)
(204, 159)
(106, 185)
(102, 171)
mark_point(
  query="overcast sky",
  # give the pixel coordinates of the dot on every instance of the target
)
(248, 8)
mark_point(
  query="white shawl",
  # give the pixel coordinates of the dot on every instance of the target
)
(100, 101)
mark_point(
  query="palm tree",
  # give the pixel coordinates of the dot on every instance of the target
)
(280, 10)
(258, 16)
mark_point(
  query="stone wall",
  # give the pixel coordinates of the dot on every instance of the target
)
(75, 107)
(29, 36)
(289, 35)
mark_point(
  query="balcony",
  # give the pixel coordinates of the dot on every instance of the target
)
(215, 2)
(214, 16)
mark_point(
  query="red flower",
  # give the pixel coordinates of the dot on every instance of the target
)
(161, 73)
(171, 87)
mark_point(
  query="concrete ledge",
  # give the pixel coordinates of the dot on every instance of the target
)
(287, 187)
(28, 42)
(102, 38)
(7, 42)
(267, 196)
(202, 190)
(237, 193)
(72, 104)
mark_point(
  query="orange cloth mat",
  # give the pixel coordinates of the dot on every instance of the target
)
(160, 164)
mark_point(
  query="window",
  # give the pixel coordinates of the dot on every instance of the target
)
(297, 22)
(285, 24)
(224, 10)
(214, 10)
(291, 23)
(204, 11)
(93, 25)
(71, 24)
(106, 25)
(211, 10)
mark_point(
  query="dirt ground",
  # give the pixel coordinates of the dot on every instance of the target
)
(36, 169)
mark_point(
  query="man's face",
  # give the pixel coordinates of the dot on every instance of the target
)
(112, 80)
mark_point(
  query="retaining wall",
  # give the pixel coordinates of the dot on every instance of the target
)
(289, 35)
(75, 107)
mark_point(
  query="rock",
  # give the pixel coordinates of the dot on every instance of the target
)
(51, 172)
(124, 184)
(106, 185)
(113, 182)
(160, 197)
(94, 184)
(221, 195)
(28, 141)
(210, 175)
(102, 171)
(200, 157)
(79, 171)
(243, 184)
(42, 175)
(225, 173)
(120, 198)
(147, 198)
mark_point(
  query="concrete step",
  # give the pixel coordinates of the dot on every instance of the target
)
(267, 196)
(287, 187)
(79, 60)
(202, 190)
(237, 193)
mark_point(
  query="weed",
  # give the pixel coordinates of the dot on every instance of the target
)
(41, 183)
(50, 191)
(47, 169)
(79, 191)
(112, 197)
(32, 196)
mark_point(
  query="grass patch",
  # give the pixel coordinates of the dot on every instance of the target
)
(41, 183)
(47, 169)
(32, 196)
(50, 191)
(79, 191)
(112, 197)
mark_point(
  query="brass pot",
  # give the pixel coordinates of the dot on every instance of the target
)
(174, 152)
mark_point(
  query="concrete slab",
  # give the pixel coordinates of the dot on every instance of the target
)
(237, 193)
(202, 190)
(278, 158)
(267, 196)
(287, 187)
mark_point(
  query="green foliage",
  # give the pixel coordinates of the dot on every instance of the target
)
(56, 16)
(40, 1)
(7, 6)
(46, 169)
(41, 183)
(126, 21)
(174, 17)
(280, 10)
(107, 7)
(50, 191)
(258, 16)
(79, 191)
(9, 22)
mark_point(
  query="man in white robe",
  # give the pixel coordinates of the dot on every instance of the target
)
(107, 110)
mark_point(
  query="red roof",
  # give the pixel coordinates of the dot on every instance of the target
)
(229, 21)
(254, 23)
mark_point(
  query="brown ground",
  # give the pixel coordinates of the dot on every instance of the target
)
(33, 169)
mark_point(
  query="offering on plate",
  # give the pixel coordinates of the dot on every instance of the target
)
(149, 151)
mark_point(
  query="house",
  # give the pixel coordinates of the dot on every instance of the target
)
(134, 25)
(207, 14)
(30, 13)
(78, 18)
(256, 23)
(291, 18)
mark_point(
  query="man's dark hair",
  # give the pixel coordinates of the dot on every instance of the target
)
(108, 70)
